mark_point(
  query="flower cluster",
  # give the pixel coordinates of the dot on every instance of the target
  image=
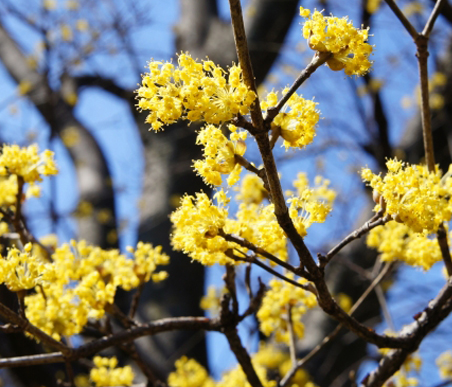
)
(297, 120)
(220, 154)
(412, 195)
(189, 373)
(80, 283)
(340, 38)
(193, 91)
(107, 373)
(25, 163)
(196, 227)
(22, 270)
(310, 205)
(281, 300)
(396, 241)
(268, 359)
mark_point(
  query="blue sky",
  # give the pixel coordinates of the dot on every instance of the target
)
(111, 123)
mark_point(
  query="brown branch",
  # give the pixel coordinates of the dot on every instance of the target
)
(26, 326)
(135, 301)
(358, 233)
(250, 246)
(242, 356)
(284, 382)
(406, 23)
(243, 55)
(292, 338)
(95, 346)
(253, 259)
(437, 310)
(319, 59)
(432, 18)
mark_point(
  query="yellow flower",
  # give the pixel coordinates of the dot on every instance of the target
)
(338, 37)
(193, 91)
(219, 154)
(106, 373)
(279, 300)
(412, 195)
(189, 373)
(26, 162)
(196, 225)
(395, 241)
(297, 120)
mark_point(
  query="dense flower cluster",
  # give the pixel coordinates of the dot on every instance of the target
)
(281, 299)
(396, 241)
(310, 205)
(81, 282)
(297, 120)
(193, 91)
(268, 359)
(189, 373)
(220, 154)
(340, 38)
(22, 270)
(106, 373)
(197, 223)
(412, 195)
(27, 164)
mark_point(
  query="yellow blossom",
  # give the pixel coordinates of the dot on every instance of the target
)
(412, 195)
(26, 162)
(297, 120)
(219, 154)
(395, 241)
(340, 38)
(106, 373)
(196, 225)
(193, 91)
(189, 373)
(281, 299)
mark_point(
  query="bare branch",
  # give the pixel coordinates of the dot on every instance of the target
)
(406, 23)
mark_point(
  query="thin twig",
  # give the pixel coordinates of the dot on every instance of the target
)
(406, 23)
(250, 246)
(292, 339)
(242, 356)
(284, 382)
(318, 59)
(384, 308)
(253, 259)
(431, 20)
(243, 55)
(135, 301)
(365, 228)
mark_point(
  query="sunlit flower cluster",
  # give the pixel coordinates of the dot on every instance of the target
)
(189, 373)
(196, 225)
(396, 241)
(297, 120)
(220, 154)
(106, 373)
(412, 195)
(193, 91)
(268, 359)
(81, 283)
(281, 299)
(27, 164)
(211, 300)
(339, 37)
(22, 270)
(310, 205)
